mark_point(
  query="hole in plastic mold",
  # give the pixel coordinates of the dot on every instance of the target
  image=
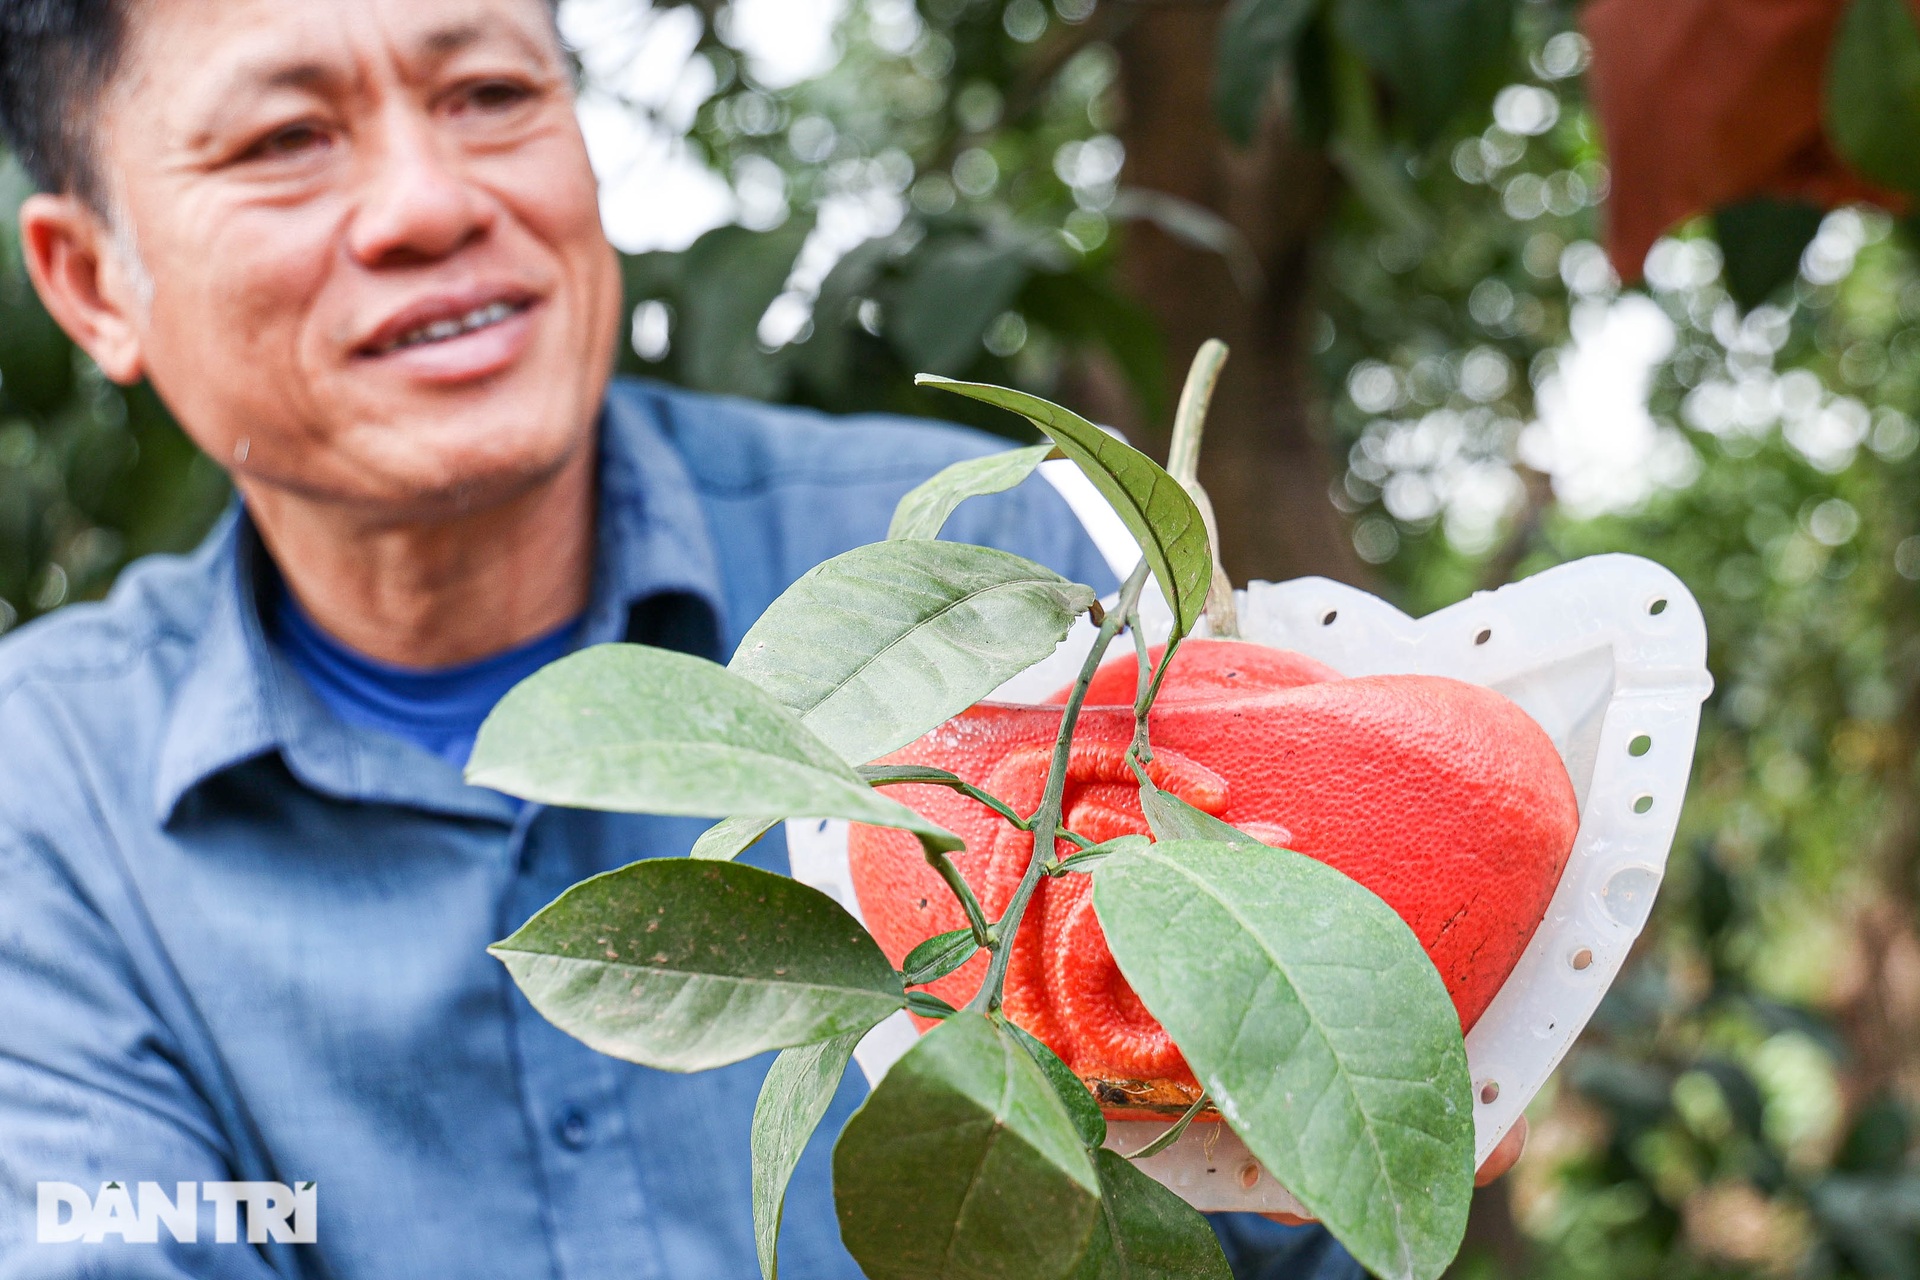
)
(1640, 745)
(1642, 803)
(1490, 1092)
(1658, 607)
(1327, 619)
(1581, 958)
(1485, 635)
(1629, 895)
(1249, 1174)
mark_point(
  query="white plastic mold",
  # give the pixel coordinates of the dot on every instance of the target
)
(1609, 655)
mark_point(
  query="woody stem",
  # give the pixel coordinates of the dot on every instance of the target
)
(1046, 819)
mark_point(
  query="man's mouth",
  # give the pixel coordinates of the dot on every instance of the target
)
(445, 330)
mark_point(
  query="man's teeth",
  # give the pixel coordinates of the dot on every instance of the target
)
(441, 330)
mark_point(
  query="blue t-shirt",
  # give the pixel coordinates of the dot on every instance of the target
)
(436, 708)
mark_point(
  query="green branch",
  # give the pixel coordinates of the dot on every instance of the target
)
(881, 775)
(1045, 823)
(1173, 1132)
(976, 918)
(1142, 686)
(1141, 749)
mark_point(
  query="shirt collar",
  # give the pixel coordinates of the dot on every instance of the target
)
(238, 699)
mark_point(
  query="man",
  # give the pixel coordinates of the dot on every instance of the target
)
(244, 892)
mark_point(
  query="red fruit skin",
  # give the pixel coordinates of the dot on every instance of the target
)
(1444, 798)
(1204, 671)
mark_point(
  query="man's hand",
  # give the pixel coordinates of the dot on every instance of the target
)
(1499, 1162)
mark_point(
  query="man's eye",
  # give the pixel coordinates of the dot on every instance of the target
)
(495, 95)
(288, 143)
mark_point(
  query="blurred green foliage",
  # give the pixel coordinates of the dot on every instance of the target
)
(992, 265)
(91, 475)
(1743, 1104)
(952, 196)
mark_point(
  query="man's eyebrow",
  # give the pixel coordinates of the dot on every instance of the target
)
(254, 77)
(444, 42)
(436, 45)
(296, 75)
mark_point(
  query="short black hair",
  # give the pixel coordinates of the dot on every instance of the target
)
(56, 56)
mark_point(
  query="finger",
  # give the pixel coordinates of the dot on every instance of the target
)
(1505, 1156)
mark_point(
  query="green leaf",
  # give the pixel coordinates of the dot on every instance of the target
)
(1381, 185)
(798, 1090)
(828, 360)
(1196, 226)
(1431, 53)
(938, 956)
(882, 775)
(1146, 1232)
(1256, 38)
(643, 730)
(1309, 1012)
(728, 838)
(1079, 306)
(685, 965)
(719, 287)
(1171, 1134)
(964, 1164)
(1171, 818)
(929, 1005)
(1088, 1121)
(925, 508)
(1762, 240)
(875, 647)
(36, 356)
(1095, 854)
(1873, 92)
(953, 289)
(1313, 103)
(1155, 509)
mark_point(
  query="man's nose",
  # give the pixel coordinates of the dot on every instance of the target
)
(418, 203)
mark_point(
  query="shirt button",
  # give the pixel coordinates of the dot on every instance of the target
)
(570, 1126)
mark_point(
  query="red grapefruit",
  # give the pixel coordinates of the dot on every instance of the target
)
(1444, 798)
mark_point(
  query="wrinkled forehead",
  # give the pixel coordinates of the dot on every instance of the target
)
(185, 61)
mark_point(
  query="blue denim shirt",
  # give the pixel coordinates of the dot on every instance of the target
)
(243, 941)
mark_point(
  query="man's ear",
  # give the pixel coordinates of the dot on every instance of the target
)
(83, 277)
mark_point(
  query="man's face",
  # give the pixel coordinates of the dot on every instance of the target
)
(373, 241)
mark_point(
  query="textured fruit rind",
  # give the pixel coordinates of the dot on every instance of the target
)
(1443, 797)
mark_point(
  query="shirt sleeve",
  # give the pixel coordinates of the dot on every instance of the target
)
(92, 1092)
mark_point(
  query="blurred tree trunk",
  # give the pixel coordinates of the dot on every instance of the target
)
(1877, 999)
(1266, 463)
